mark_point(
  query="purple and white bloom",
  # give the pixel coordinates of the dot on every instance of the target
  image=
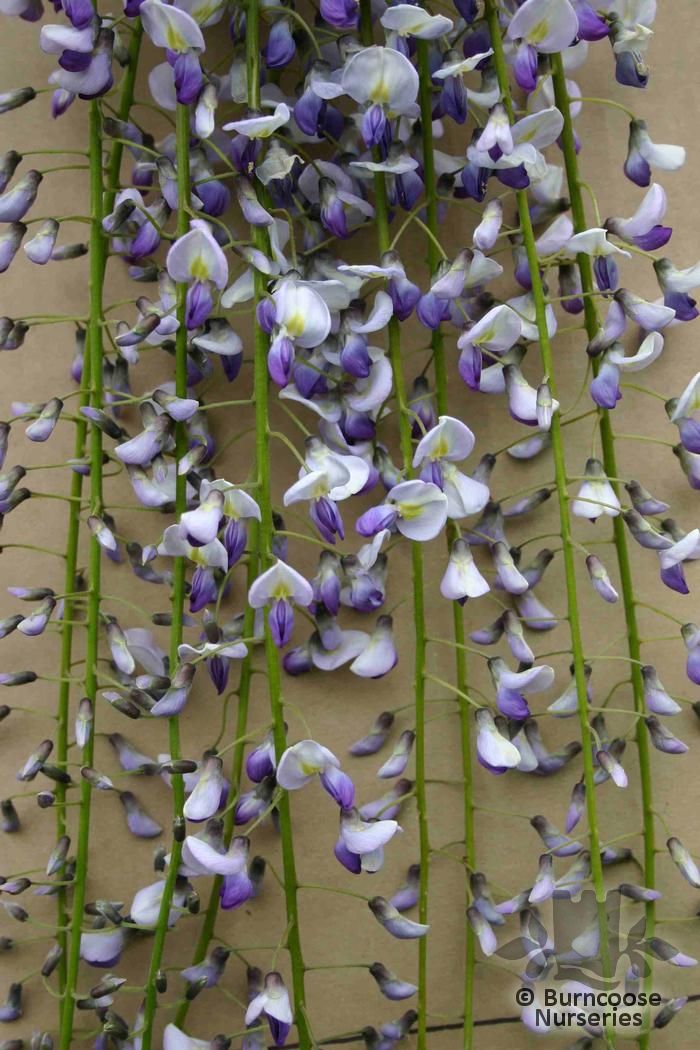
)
(301, 762)
(321, 488)
(394, 922)
(364, 839)
(547, 26)
(596, 495)
(209, 972)
(671, 561)
(175, 1039)
(611, 766)
(261, 127)
(280, 587)
(261, 762)
(145, 907)
(676, 285)
(513, 686)
(418, 509)
(378, 655)
(668, 953)
(171, 27)
(385, 82)
(103, 947)
(450, 442)
(299, 317)
(197, 260)
(200, 857)
(273, 1004)
(494, 751)
(644, 228)
(462, 578)
(44, 425)
(398, 759)
(16, 202)
(656, 697)
(643, 155)
(176, 30)
(175, 544)
(663, 739)
(600, 578)
(408, 895)
(650, 316)
(486, 233)
(493, 335)
(206, 797)
(403, 20)
(391, 986)
(684, 862)
(376, 738)
(35, 624)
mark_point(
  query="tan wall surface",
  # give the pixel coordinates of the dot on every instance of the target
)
(338, 709)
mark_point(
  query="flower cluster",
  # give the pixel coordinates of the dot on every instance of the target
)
(261, 236)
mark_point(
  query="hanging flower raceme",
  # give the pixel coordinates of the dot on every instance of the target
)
(198, 261)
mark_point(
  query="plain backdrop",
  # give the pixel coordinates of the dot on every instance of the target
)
(337, 710)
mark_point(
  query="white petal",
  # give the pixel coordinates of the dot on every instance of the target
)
(381, 75)
(261, 127)
(169, 27)
(548, 25)
(449, 439)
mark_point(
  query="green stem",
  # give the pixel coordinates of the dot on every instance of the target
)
(73, 537)
(263, 493)
(182, 148)
(607, 440)
(574, 615)
(94, 349)
(207, 931)
(438, 351)
(404, 422)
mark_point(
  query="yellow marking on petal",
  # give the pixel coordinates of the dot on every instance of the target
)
(199, 268)
(486, 337)
(295, 324)
(176, 42)
(380, 92)
(538, 32)
(410, 510)
(309, 769)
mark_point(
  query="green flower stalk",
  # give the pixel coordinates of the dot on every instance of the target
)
(607, 440)
(420, 641)
(182, 132)
(73, 536)
(561, 481)
(236, 772)
(461, 678)
(94, 351)
(266, 531)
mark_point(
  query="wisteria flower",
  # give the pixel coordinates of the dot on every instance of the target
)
(280, 587)
(448, 443)
(272, 1003)
(198, 261)
(301, 762)
(386, 83)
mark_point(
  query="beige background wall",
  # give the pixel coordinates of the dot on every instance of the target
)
(339, 709)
